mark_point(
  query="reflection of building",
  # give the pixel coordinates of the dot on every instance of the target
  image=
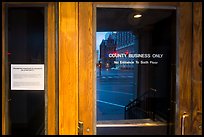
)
(107, 46)
(119, 42)
(107, 35)
(97, 55)
(126, 42)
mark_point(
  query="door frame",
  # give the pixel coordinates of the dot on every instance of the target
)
(51, 91)
(68, 68)
(197, 70)
(76, 85)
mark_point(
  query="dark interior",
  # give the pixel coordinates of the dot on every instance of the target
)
(121, 19)
(26, 46)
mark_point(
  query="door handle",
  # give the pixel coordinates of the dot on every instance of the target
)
(183, 123)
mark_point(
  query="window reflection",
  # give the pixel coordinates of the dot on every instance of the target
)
(135, 63)
(115, 74)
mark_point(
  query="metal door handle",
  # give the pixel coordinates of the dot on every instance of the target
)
(183, 123)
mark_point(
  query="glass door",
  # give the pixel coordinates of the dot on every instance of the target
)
(26, 69)
(27, 64)
(137, 57)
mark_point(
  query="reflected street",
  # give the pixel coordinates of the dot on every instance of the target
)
(114, 92)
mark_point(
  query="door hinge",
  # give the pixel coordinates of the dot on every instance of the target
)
(80, 128)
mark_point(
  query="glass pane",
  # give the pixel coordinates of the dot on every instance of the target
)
(25, 47)
(115, 73)
(135, 64)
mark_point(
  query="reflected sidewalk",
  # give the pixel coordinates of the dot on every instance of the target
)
(109, 72)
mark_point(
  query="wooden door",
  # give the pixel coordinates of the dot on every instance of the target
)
(77, 59)
(182, 104)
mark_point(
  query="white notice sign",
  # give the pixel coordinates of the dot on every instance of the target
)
(27, 77)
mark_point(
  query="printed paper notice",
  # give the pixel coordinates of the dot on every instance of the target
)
(27, 76)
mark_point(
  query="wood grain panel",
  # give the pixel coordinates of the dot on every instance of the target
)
(197, 70)
(3, 116)
(51, 107)
(86, 68)
(68, 68)
(184, 66)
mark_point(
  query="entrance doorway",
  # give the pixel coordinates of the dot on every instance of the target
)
(136, 52)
